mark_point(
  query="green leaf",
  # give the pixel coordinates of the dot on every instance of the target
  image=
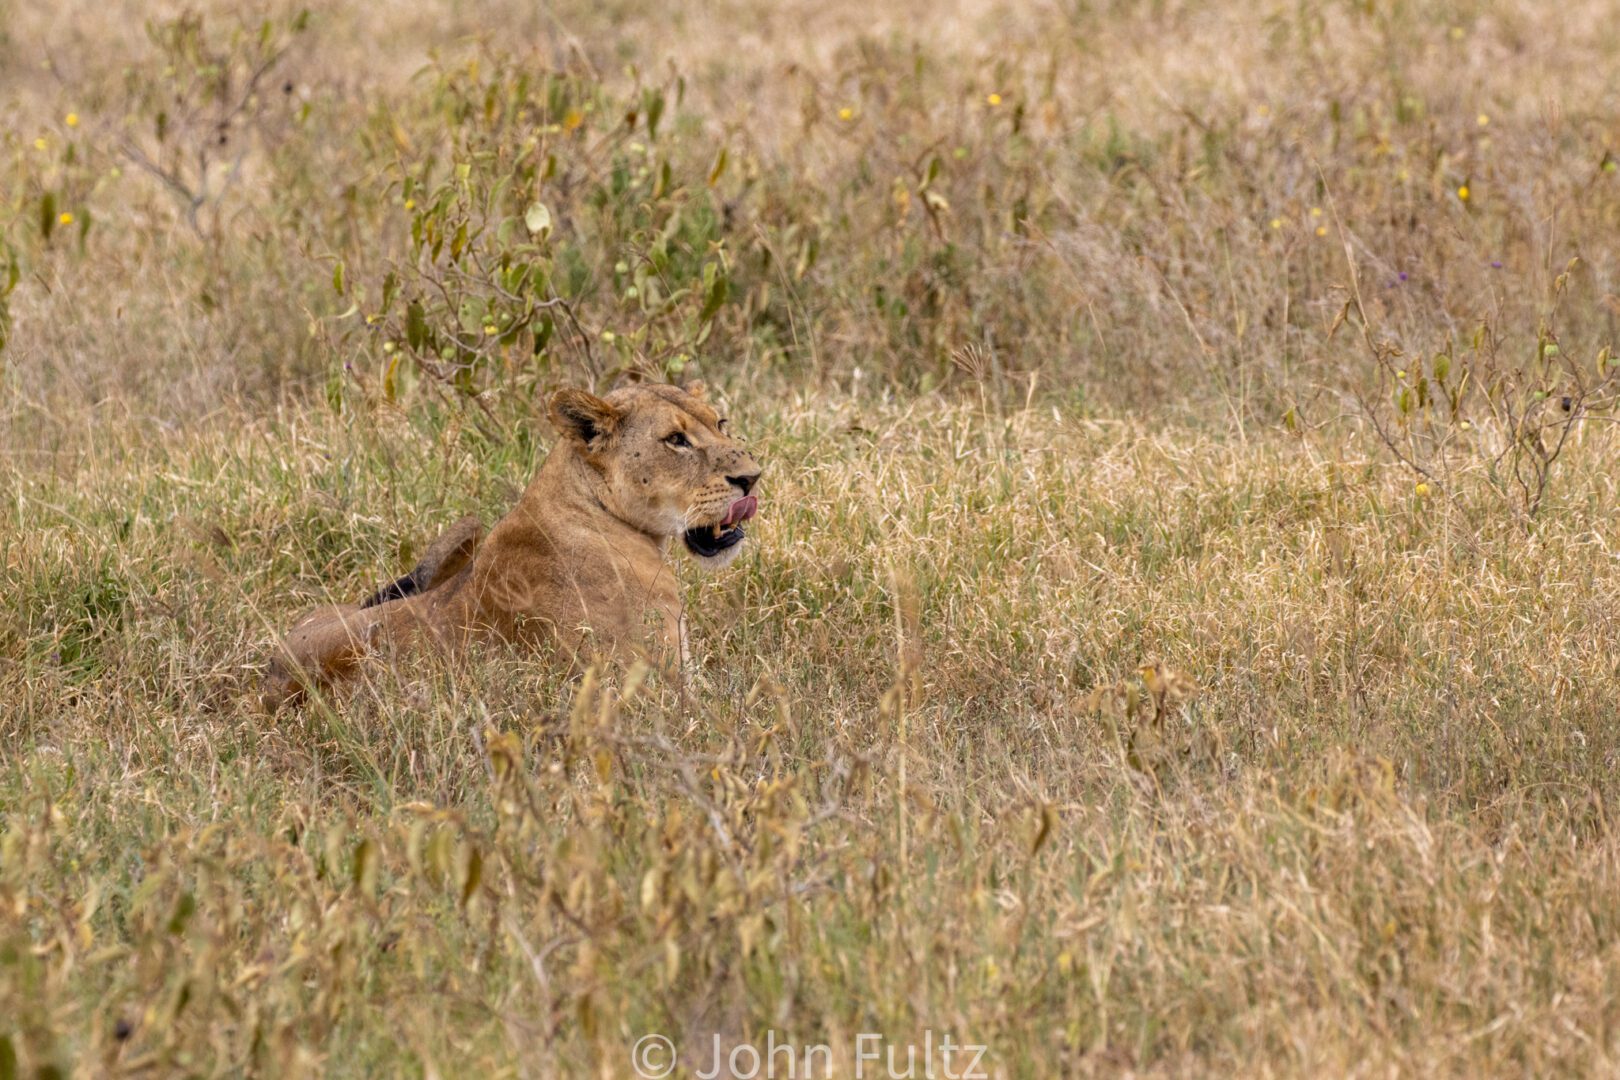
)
(47, 214)
(183, 911)
(516, 278)
(475, 873)
(538, 220)
(337, 278)
(933, 173)
(653, 102)
(718, 288)
(363, 872)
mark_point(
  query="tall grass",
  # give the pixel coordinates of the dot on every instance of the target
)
(1101, 687)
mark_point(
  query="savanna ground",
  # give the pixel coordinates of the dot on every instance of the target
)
(1179, 636)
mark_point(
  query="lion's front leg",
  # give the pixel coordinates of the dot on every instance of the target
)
(324, 646)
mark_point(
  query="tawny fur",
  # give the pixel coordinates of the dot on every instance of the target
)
(579, 564)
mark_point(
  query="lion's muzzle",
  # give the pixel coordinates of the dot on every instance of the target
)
(707, 541)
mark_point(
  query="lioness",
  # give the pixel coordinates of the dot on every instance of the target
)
(582, 553)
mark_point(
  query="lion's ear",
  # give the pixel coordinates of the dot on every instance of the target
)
(581, 416)
(697, 389)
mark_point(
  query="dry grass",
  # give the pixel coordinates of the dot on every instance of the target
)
(1099, 688)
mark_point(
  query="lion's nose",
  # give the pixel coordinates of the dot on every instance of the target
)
(744, 481)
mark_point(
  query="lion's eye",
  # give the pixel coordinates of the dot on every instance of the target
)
(677, 439)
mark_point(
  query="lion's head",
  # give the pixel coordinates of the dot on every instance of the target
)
(666, 464)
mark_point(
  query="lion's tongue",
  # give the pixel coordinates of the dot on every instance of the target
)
(741, 510)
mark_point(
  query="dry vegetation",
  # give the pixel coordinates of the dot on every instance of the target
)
(1180, 633)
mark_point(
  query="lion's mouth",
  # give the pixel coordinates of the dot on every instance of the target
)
(709, 540)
